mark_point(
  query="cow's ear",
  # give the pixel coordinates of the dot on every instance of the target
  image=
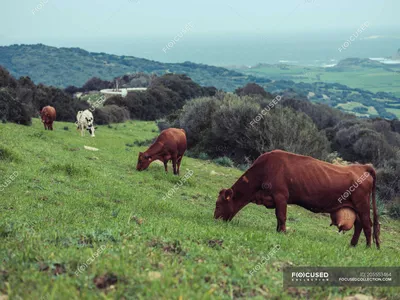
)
(228, 194)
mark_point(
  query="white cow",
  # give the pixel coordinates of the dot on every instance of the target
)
(85, 121)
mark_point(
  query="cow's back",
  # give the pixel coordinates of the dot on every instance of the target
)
(307, 181)
(174, 139)
(83, 115)
(50, 112)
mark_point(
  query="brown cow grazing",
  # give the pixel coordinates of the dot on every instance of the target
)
(279, 178)
(344, 219)
(170, 145)
(48, 115)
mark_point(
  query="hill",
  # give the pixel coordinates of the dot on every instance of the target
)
(363, 87)
(62, 67)
(67, 206)
(353, 87)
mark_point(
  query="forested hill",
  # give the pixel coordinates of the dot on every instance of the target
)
(62, 67)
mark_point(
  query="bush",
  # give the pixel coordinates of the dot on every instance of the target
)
(12, 110)
(203, 156)
(394, 209)
(388, 178)
(196, 118)
(96, 84)
(251, 89)
(224, 161)
(215, 123)
(357, 141)
(110, 114)
(165, 96)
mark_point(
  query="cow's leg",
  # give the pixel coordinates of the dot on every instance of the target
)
(362, 207)
(174, 160)
(179, 163)
(280, 212)
(357, 232)
(166, 165)
(51, 126)
(366, 225)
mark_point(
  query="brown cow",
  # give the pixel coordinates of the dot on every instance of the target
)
(279, 178)
(344, 219)
(170, 145)
(48, 115)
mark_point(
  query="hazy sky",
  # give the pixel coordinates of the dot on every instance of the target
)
(24, 20)
(221, 32)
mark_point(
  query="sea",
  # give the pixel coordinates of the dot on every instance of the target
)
(247, 49)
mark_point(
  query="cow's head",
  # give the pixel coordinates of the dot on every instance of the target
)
(43, 116)
(143, 162)
(225, 207)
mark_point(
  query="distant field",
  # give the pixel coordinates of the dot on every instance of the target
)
(351, 105)
(372, 79)
(68, 204)
(395, 111)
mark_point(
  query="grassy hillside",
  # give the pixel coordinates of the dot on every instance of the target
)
(62, 67)
(354, 86)
(67, 203)
(355, 73)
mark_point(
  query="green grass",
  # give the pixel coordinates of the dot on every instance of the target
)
(67, 202)
(349, 106)
(367, 78)
(395, 111)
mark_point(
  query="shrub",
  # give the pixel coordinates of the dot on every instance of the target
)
(357, 141)
(251, 89)
(388, 178)
(110, 114)
(203, 156)
(96, 84)
(224, 123)
(196, 118)
(224, 161)
(164, 96)
(12, 110)
(394, 209)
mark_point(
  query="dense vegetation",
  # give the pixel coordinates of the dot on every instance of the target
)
(63, 67)
(339, 96)
(165, 95)
(363, 87)
(22, 99)
(74, 67)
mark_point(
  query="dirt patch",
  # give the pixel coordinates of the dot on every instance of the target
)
(215, 243)
(174, 247)
(105, 281)
(56, 269)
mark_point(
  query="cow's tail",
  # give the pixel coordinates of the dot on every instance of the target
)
(377, 226)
